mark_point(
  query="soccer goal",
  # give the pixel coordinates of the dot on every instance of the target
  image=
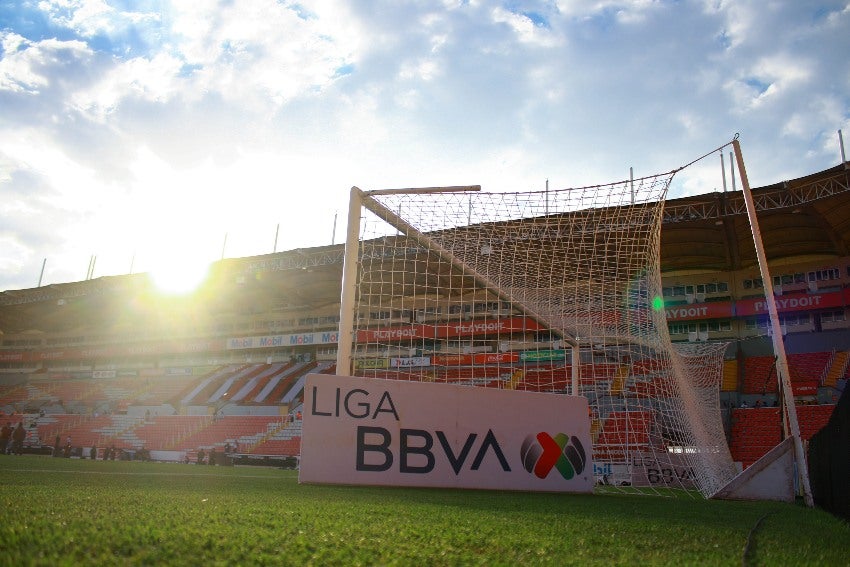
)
(554, 291)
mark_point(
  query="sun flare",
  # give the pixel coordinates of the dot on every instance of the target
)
(180, 276)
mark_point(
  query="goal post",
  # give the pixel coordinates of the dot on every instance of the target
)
(555, 291)
(782, 369)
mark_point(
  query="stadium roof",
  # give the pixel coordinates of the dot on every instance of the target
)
(801, 219)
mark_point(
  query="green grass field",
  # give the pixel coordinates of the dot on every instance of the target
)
(68, 511)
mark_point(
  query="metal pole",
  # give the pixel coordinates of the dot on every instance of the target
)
(349, 288)
(223, 246)
(576, 360)
(732, 172)
(841, 145)
(43, 264)
(723, 170)
(778, 344)
(632, 183)
(276, 232)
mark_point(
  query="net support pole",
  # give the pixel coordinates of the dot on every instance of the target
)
(349, 285)
(776, 331)
(576, 360)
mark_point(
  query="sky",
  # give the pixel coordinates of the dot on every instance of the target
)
(151, 136)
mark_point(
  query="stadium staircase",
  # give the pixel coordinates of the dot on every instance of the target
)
(618, 384)
(206, 387)
(169, 431)
(837, 368)
(595, 427)
(516, 377)
(214, 389)
(241, 429)
(284, 440)
(83, 431)
(117, 431)
(234, 382)
(254, 383)
(281, 383)
(296, 392)
(729, 382)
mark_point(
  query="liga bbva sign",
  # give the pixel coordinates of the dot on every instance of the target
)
(396, 433)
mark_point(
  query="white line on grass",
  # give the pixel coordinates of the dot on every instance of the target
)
(116, 473)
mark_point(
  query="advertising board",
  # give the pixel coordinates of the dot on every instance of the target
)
(397, 433)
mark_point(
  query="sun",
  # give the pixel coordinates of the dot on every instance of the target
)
(179, 276)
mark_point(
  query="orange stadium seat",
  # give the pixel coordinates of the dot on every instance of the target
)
(755, 431)
(622, 429)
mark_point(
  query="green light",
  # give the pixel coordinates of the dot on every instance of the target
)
(657, 303)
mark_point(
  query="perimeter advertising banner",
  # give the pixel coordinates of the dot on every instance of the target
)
(396, 433)
(669, 470)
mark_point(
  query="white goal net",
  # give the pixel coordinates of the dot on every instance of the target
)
(549, 291)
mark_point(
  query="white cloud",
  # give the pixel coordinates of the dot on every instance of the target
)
(86, 16)
(26, 66)
(258, 52)
(92, 17)
(32, 150)
(214, 117)
(742, 20)
(153, 80)
(525, 29)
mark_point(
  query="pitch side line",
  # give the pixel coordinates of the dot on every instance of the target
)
(118, 473)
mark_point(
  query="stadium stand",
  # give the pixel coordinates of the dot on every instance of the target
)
(284, 440)
(754, 432)
(237, 376)
(244, 430)
(757, 430)
(622, 432)
(163, 432)
(277, 388)
(808, 371)
(259, 378)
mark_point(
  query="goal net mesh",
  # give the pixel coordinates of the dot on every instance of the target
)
(548, 291)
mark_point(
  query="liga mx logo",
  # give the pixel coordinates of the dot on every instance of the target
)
(542, 452)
